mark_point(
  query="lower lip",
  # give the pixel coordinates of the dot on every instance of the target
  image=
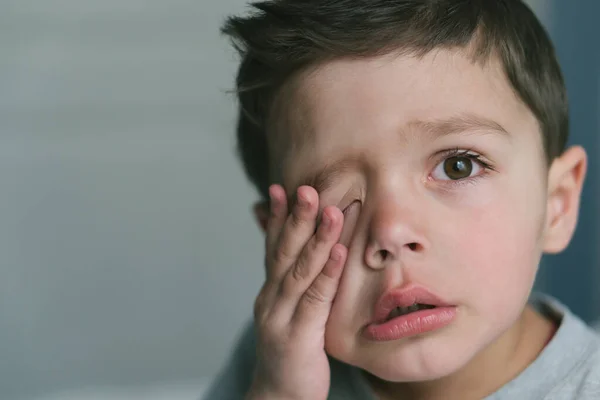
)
(412, 324)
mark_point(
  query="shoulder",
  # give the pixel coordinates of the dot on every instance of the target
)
(235, 378)
(245, 349)
(569, 366)
(582, 381)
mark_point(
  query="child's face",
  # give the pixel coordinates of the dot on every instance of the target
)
(381, 134)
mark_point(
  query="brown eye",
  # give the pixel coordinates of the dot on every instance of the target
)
(458, 167)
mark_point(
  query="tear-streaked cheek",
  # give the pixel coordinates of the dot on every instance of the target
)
(351, 214)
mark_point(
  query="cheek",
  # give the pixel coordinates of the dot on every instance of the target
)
(501, 254)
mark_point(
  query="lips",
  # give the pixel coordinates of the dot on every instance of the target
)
(405, 312)
(404, 300)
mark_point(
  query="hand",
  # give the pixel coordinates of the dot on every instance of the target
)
(304, 264)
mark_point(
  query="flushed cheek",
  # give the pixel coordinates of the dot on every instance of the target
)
(501, 260)
(483, 256)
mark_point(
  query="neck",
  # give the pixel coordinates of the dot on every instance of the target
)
(491, 369)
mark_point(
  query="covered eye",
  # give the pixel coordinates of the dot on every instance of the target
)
(351, 214)
(456, 168)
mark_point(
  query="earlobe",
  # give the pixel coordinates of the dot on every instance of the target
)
(261, 214)
(565, 183)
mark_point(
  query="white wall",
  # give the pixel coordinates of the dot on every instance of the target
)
(127, 249)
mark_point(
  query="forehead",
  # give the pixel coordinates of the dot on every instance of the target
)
(341, 102)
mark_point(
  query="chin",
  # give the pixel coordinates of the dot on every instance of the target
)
(415, 359)
(401, 369)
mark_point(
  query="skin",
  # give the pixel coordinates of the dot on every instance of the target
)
(389, 126)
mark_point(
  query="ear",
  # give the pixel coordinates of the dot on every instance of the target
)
(565, 182)
(261, 213)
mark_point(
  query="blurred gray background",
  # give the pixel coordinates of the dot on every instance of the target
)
(128, 253)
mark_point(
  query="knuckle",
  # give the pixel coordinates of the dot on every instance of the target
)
(301, 270)
(315, 297)
(282, 255)
(262, 302)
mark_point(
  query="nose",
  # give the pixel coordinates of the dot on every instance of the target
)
(395, 234)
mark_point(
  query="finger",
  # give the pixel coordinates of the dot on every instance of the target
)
(315, 305)
(284, 297)
(278, 212)
(297, 230)
(313, 256)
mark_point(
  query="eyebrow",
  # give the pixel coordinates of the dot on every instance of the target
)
(325, 177)
(462, 123)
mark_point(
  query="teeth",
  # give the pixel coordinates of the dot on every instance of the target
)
(398, 311)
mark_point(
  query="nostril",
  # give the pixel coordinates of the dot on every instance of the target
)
(384, 254)
(413, 246)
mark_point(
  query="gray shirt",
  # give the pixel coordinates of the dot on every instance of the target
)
(568, 368)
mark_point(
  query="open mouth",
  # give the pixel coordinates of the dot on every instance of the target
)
(408, 311)
(400, 311)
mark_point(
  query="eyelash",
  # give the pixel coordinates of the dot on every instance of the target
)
(486, 166)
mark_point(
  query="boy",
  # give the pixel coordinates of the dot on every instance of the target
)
(411, 156)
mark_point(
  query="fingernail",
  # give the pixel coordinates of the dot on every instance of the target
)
(302, 201)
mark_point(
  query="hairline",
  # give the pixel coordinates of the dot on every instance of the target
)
(278, 111)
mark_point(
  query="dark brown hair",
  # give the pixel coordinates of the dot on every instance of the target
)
(281, 38)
